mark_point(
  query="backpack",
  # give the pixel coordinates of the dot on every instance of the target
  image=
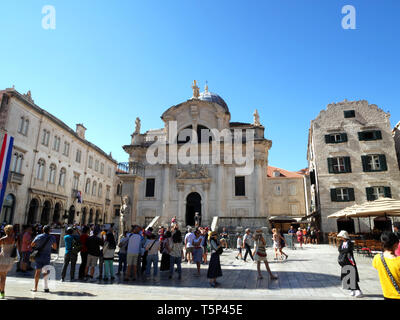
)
(76, 246)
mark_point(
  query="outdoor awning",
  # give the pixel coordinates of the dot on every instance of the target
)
(343, 213)
(379, 207)
(282, 219)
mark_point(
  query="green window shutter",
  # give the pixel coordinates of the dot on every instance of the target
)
(330, 165)
(327, 138)
(344, 137)
(388, 193)
(364, 160)
(347, 164)
(334, 195)
(378, 135)
(351, 194)
(382, 162)
(370, 194)
(361, 136)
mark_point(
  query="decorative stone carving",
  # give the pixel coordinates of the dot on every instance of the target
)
(192, 172)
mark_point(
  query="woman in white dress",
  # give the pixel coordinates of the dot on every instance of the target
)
(260, 254)
(278, 239)
(7, 244)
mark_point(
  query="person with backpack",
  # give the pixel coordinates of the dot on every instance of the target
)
(93, 244)
(176, 251)
(108, 256)
(388, 266)
(42, 245)
(72, 248)
(152, 246)
(347, 262)
(122, 244)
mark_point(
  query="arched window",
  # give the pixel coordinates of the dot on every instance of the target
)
(87, 186)
(63, 173)
(94, 188)
(17, 162)
(52, 173)
(100, 190)
(40, 169)
(7, 213)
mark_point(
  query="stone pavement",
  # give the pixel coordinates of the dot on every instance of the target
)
(310, 273)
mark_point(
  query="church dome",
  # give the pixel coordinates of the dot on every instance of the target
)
(213, 97)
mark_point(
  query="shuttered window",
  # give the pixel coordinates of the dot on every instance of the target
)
(240, 186)
(374, 162)
(336, 138)
(342, 194)
(370, 135)
(349, 114)
(339, 165)
(150, 187)
(374, 193)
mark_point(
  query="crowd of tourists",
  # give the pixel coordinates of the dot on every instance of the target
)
(140, 249)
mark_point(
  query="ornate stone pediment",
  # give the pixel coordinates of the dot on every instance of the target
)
(192, 171)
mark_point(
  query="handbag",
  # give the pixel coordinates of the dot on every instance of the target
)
(14, 252)
(343, 259)
(35, 252)
(219, 250)
(390, 274)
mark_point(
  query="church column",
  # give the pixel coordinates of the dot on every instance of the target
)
(258, 183)
(205, 214)
(220, 190)
(180, 217)
(165, 201)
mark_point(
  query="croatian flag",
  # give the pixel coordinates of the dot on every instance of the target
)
(79, 196)
(5, 159)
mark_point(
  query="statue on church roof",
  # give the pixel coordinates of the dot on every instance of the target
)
(196, 90)
(137, 126)
(256, 116)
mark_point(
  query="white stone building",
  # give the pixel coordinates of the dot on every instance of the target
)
(213, 189)
(352, 159)
(50, 164)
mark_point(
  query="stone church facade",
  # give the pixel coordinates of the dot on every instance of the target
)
(220, 190)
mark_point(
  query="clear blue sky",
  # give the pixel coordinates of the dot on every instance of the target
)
(108, 62)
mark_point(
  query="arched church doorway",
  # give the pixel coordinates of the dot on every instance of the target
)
(193, 205)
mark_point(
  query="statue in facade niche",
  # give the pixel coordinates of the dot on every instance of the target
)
(256, 116)
(137, 126)
(124, 213)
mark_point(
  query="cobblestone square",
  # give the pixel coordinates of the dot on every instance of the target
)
(311, 273)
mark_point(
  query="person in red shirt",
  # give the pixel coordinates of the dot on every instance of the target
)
(84, 251)
(26, 248)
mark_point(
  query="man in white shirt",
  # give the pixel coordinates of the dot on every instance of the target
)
(189, 245)
(133, 250)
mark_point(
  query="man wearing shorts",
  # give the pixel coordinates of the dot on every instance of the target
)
(93, 244)
(133, 250)
(188, 245)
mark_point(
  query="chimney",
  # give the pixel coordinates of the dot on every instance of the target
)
(80, 130)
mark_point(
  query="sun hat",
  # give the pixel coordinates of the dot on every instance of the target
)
(343, 234)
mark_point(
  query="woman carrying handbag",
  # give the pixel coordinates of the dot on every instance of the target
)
(346, 261)
(261, 254)
(388, 266)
